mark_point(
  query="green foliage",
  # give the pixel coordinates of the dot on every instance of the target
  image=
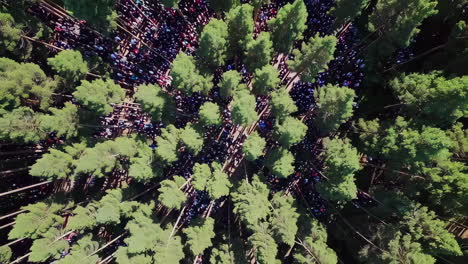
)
(109, 211)
(398, 21)
(223, 5)
(283, 219)
(402, 145)
(265, 248)
(240, 27)
(213, 46)
(99, 13)
(190, 138)
(143, 167)
(213, 180)
(5, 254)
(230, 83)
(21, 125)
(81, 250)
(167, 143)
(243, 109)
(460, 137)
(156, 102)
(259, 52)
(265, 80)
(98, 95)
(335, 106)
(199, 236)
(257, 4)
(143, 234)
(288, 26)
(187, 77)
(168, 248)
(210, 114)
(345, 11)
(64, 121)
(39, 220)
(69, 64)
(48, 247)
(314, 56)
(10, 34)
(104, 157)
(251, 201)
(282, 105)
(440, 101)
(83, 217)
(424, 227)
(341, 162)
(280, 161)
(22, 81)
(53, 165)
(222, 254)
(171, 195)
(314, 248)
(290, 131)
(123, 257)
(253, 146)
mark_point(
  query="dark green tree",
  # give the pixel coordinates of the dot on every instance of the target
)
(213, 45)
(199, 236)
(283, 219)
(210, 114)
(69, 64)
(230, 83)
(240, 27)
(280, 161)
(334, 107)
(265, 80)
(156, 102)
(220, 6)
(22, 125)
(191, 139)
(186, 77)
(5, 254)
(167, 144)
(98, 95)
(259, 52)
(345, 11)
(243, 109)
(254, 146)
(65, 121)
(341, 162)
(100, 14)
(288, 26)
(290, 131)
(282, 105)
(313, 57)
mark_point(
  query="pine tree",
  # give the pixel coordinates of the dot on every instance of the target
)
(186, 77)
(243, 109)
(171, 196)
(283, 219)
(288, 26)
(191, 139)
(200, 235)
(265, 80)
(154, 101)
(334, 107)
(251, 201)
(167, 143)
(240, 27)
(64, 122)
(49, 246)
(230, 83)
(21, 125)
(440, 101)
(10, 34)
(39, 220)
(69, 64)
(345, 11)
(264, 246)
(5, 254)
(254, 146)
(100, 14)
(341, 162)
(259, 52)
(290, 131)
(313, 58)
(210, 114)
(83, 248)
(213, 46)
(282, 105)
(143, 166)
(213, 180)
(280, 161)
(98, 95)
(57, 164)
(21, 81)
(313, 247)
(168, 248)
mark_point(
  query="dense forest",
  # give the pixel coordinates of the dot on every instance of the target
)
(234, 131)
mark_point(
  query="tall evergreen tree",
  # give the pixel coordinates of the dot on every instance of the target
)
(210, 114)
(259, 52)
(69, 64)
(290, 131)
(230, 83)
(101, 13)
(199, 236)
(243, 109)
(265, 80)
(280, 161)
(187, 77)
(154, 101)
(98, 95)
(254, 146)
(240, 27)
(345, 11)
(288, 26)
(213, 46)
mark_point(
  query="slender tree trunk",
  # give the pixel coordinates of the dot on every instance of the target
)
(25, 188)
